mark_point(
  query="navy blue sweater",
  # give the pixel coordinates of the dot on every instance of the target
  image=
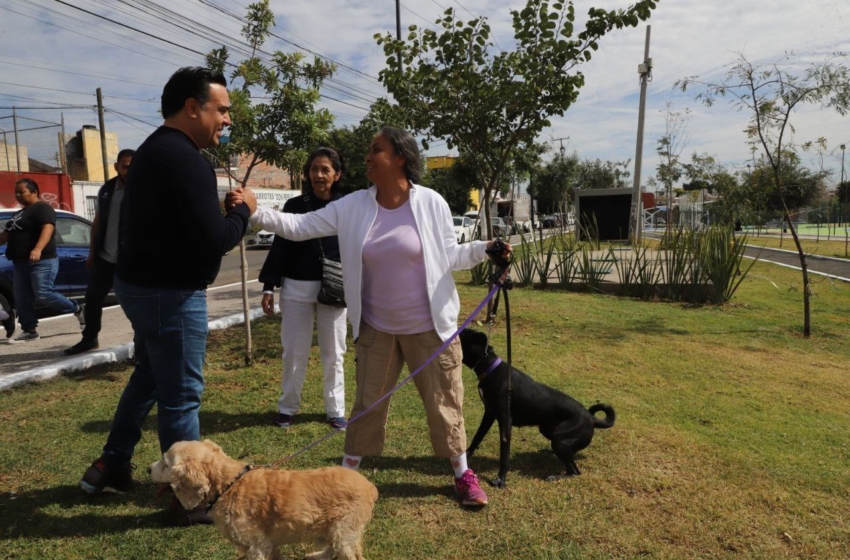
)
(173, 232)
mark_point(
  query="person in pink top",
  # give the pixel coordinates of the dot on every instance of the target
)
(398, 251)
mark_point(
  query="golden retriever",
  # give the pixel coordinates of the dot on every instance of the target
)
(260, 509)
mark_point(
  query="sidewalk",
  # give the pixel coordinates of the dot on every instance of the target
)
(44, 358)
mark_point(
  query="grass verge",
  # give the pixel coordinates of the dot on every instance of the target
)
(732, 440)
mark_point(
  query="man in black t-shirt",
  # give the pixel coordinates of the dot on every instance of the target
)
(172, 238)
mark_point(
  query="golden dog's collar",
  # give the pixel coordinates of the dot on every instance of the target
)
(242, 473)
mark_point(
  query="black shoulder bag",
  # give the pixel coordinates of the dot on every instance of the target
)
(331, 291)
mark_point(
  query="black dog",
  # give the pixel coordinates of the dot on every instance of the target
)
(560, 418)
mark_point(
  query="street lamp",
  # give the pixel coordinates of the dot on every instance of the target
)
(842, 162)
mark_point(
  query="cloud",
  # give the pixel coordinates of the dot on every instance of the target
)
(688, 38)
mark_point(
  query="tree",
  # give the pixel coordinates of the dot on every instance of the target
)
(273, 102)
(842, 191)
(353, 144)
(732, 201)
(669, 147)
(599, 174)
(451, 85)
(278, 127)
(801, 186)
(452, 185)
(770, 93)
(553, 184)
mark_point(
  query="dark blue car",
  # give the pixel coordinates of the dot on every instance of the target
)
(73, 235)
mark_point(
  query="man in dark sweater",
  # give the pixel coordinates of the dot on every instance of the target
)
(103, 252)
(173, 235)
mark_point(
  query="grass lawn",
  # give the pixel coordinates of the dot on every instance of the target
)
(732, 440)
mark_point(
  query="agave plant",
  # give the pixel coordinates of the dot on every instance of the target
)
(525, 262)
(720, 255)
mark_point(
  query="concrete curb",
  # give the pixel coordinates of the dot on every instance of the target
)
(107, 356)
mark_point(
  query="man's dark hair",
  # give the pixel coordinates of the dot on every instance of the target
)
(126, 152)
(31, 185)
(190, 82)
(337, 162)
(405, 146)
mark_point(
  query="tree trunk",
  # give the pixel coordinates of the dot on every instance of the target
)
(246, 307)
(807, 317)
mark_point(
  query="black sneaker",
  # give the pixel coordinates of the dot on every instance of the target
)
(81, 315)
(9, 324)
(100, 478)
(84, 345)
(25, 336)
(284, 420)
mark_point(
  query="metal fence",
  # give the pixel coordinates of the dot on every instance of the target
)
(31, 145)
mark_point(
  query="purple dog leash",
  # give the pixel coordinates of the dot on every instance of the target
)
(407, 379)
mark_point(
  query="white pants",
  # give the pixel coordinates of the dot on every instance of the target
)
(296, 336)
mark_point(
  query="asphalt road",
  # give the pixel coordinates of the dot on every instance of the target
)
(838, 269)
(224, 299)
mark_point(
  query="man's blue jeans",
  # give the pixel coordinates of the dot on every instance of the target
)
(34, 282)
(170, 337)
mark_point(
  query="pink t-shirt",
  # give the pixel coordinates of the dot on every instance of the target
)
(395, 294)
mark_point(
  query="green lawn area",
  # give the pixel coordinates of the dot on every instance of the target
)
(732, 440)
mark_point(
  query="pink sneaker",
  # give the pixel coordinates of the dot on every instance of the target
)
(469, 490)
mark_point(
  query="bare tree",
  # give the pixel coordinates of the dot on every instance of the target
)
(770, 93)
(669, 148)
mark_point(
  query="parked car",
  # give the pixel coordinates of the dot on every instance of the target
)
(263, 238)
(464, 228)
(500, 228)
(551, 221)
(73, 235)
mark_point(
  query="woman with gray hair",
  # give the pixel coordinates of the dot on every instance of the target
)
(398, 252)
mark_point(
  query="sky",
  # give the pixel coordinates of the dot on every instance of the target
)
(54, 54)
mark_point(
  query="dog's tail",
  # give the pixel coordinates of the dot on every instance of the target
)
(609, 419)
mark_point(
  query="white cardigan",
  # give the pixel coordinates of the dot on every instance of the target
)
(351, 217)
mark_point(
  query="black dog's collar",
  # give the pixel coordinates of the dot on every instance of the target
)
(242, 473)
(489, 369)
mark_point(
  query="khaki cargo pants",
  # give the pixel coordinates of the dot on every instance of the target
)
(380, 357)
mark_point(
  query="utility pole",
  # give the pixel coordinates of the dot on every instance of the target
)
(102, 136)
(398, 28)
(645, 71)
(846, 195)
(561, 149)
(8, 159)
(64, 163)
(17, 143)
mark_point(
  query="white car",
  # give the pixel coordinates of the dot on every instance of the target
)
(264, 238)
(464, 228)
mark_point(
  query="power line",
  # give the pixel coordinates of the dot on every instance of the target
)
(430, 23)
(132, 117)
(79, 74)
(76, 92)
(130, 27)
(243, 21)
(173, 43)
(122, 117)
(99, 39)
